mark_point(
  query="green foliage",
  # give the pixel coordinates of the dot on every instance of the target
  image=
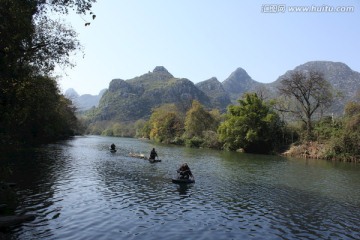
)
(31, 44)
(123, 130)
(108, 132)
(211, 140)
(201, 127)
(252, 126)
(38, 113)
(346, 143)
(166, 124)
(113, 129)
(327, 128)
(290, 134)
(199, 120)
(97, 128)
(194, 142)
(141, 129)
(30, 39)
(144, 132)
(178, 141)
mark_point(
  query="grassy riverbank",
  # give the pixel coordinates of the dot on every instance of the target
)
(317, 150)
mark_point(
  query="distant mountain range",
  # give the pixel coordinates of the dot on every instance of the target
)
(133, 99)
(85, 101)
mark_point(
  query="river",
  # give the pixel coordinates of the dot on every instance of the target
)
(79, 190)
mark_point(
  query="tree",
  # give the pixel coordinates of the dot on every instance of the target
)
(351, 137)
(166, 124)
(31, 44)
(141, 128)
(201, 126)
(344, 142)
(311, 92)
(198, 120)
(39, 113)
(252, 126)
(30, 39)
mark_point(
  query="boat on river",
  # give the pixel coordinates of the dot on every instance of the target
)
(154, 160)
(183, 180)
(179, 179)
(113, 150)
(184, 175)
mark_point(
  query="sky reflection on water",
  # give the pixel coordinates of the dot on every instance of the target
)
(79, 190)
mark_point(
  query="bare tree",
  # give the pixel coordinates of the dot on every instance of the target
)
(311, 92)
(263, 92)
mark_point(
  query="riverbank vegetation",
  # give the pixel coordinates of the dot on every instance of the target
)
(31, 45)
(333, 139)
(251, 131)
(292, 124)
(253, 126)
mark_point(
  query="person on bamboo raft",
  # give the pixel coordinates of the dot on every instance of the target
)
(112, 147)
(184, 171)
(153, 154)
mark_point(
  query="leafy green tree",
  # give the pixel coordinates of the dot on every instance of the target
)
(346, 145)
(198, 120)
(144, 132)
(201, 126)
(97, 128)
(327, 128)
(31, 39)
(352, 129)
(45, 117)
(252, 126)
(31, 44)
(140, 130)
(108, 132)
(166, 124)
(211, 139)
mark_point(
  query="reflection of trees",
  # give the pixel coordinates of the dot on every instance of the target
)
(35, 171)
(33, 168)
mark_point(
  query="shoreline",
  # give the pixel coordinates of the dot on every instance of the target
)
(316, 150)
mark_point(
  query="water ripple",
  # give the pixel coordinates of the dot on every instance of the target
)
(79, 190)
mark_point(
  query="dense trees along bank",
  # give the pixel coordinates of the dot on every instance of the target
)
(256, 125)
(32, 110)
(253, 126)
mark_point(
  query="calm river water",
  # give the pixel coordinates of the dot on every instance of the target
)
(79, 190)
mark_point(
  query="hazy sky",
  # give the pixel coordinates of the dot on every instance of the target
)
(200, 39)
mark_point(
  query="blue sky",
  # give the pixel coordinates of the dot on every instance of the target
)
(201, 39)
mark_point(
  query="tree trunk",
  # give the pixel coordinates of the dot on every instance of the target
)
(308, 128)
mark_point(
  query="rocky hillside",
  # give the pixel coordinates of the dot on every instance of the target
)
(219, 98)
(133, 99)
(85, 101)
(238, 83)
